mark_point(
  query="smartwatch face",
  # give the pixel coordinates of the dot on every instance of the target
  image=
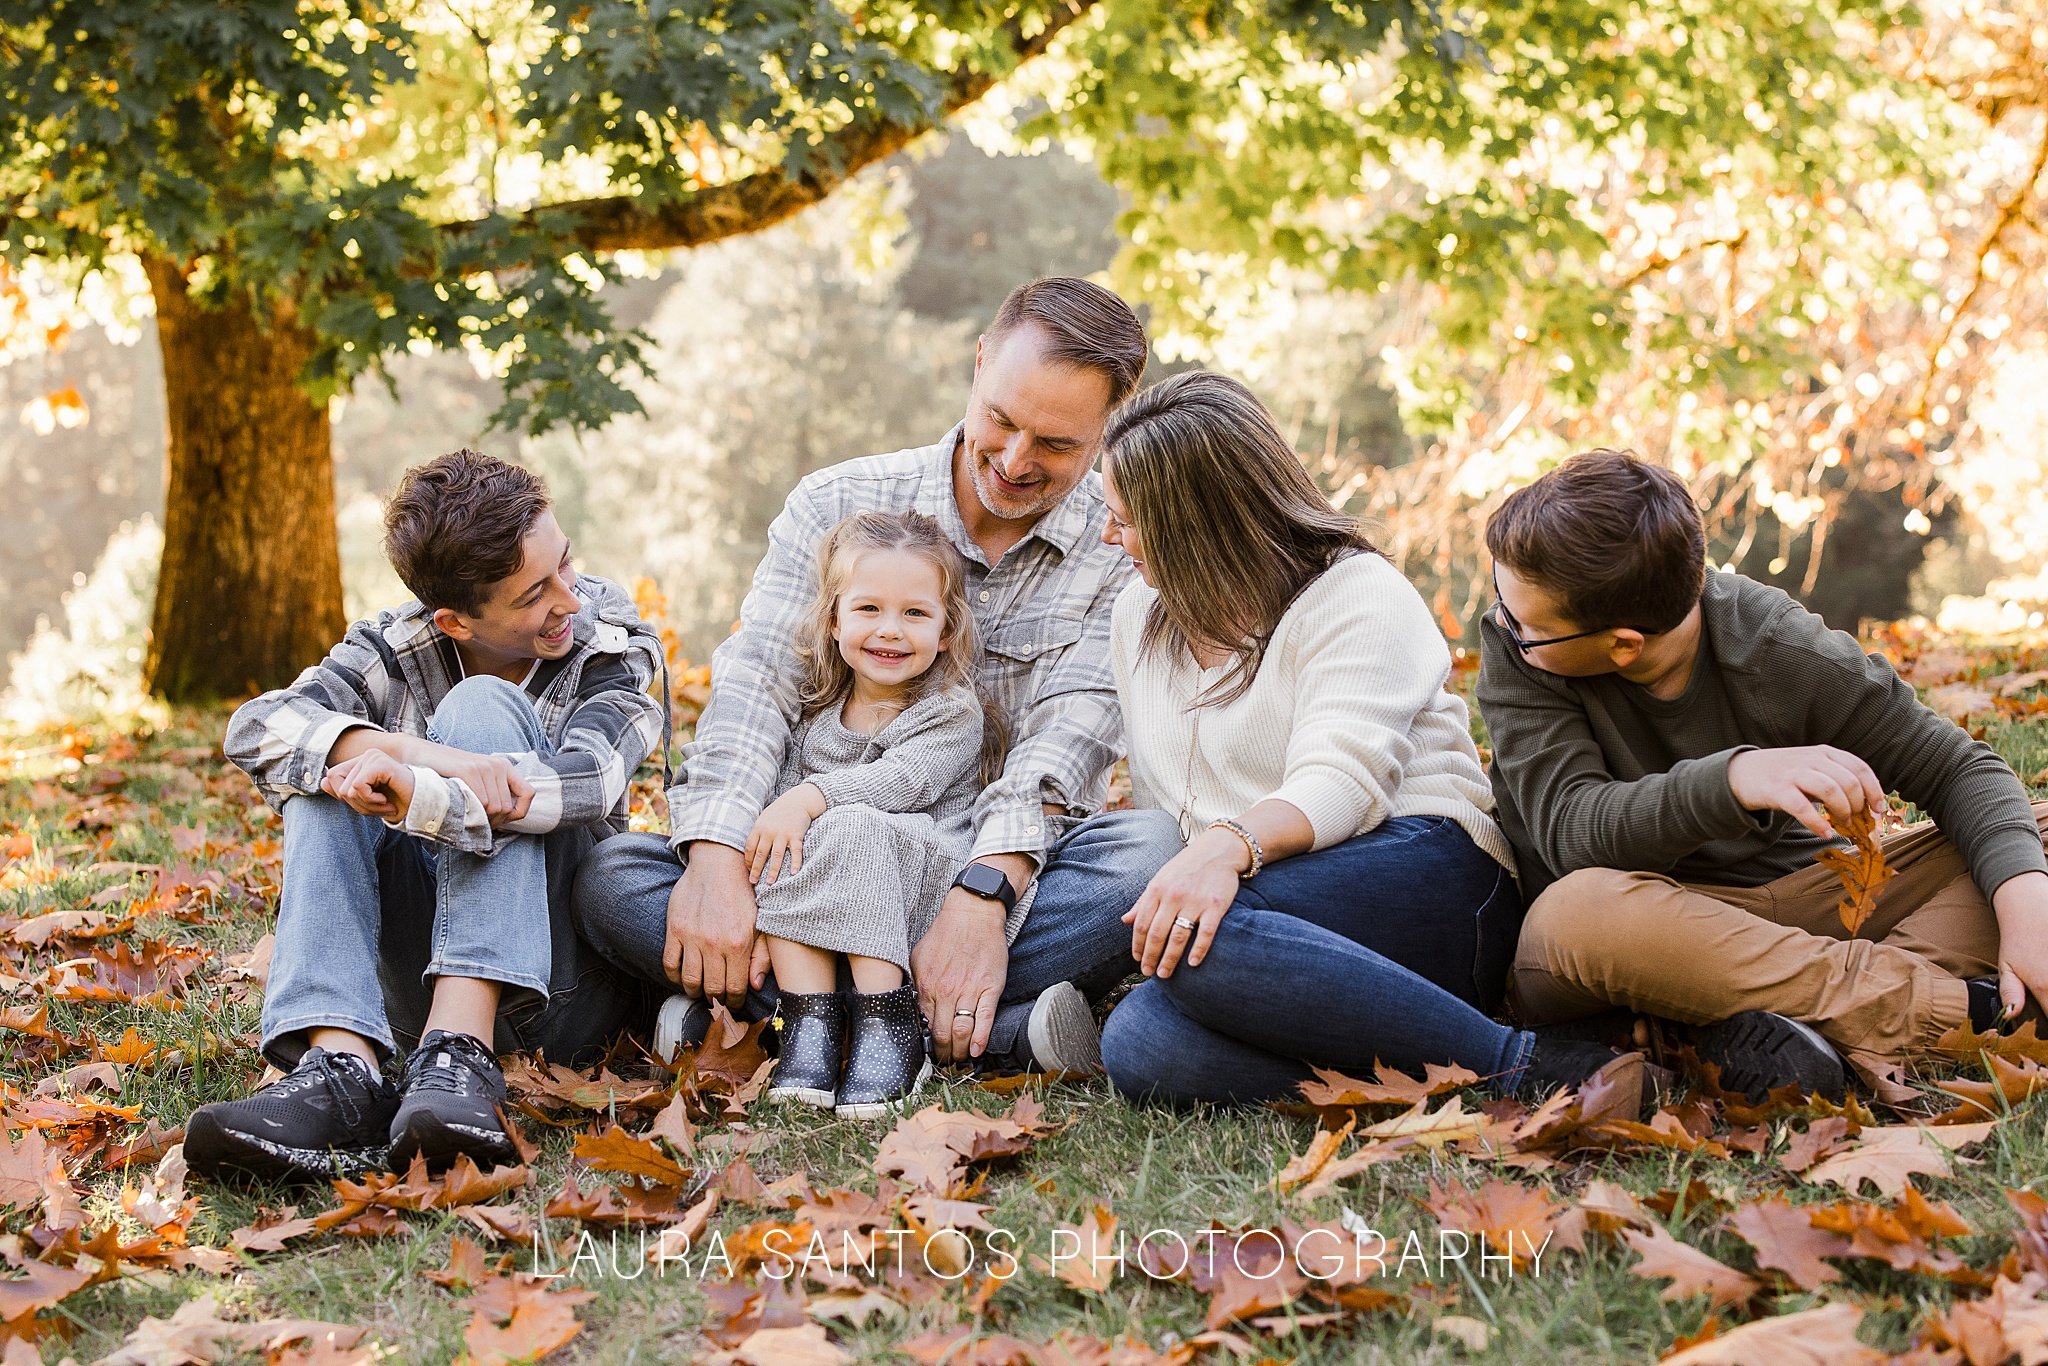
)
(988, 883)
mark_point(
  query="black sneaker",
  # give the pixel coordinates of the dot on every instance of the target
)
(1987, 1010)
(449, 1101)
(1759, 1052)
(329, 1116)
(1617, 1082)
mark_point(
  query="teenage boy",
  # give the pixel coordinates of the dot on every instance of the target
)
(1672, 747)
(440, 775)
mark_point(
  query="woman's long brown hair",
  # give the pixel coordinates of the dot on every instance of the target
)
(1233, 527)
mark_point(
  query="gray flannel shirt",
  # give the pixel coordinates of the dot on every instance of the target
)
(391, 671)
(1043, 612)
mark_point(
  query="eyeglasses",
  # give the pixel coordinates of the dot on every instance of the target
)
(1513, 628)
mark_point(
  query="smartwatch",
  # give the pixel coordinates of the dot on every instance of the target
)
(989, 884)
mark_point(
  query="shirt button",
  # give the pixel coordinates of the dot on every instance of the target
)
(984, 595)
(1032, 829)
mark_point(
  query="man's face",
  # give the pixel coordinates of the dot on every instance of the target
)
(529, 613)
(1525, 609)
(1033, 428)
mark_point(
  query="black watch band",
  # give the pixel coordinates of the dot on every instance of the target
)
(989, 884)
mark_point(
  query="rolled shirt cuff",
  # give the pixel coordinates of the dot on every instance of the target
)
(1017, 828)
(310, 763)
(720, 820)
(444, 809)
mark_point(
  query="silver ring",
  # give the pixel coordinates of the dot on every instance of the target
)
(963, 1014)
(1184, 923)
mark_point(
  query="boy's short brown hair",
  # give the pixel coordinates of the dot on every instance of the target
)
(1616, 540)
(456, 527)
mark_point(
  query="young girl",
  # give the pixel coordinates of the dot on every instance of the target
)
(873, 817)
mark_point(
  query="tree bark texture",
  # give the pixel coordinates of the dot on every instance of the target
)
(250, 589)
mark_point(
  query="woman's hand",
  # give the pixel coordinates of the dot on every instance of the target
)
(1197, 885)
(780, 830)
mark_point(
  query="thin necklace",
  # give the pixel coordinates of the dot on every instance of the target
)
(1186, 821)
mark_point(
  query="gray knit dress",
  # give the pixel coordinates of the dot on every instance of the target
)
(898, 827)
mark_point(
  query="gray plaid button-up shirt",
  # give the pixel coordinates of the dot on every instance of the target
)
(1043, 610)
(391, 671)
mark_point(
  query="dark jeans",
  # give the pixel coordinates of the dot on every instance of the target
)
(1388, 948)
(1074, 933)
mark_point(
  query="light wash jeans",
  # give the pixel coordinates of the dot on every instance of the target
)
(369, 916)
(1075, 932)
(1386, 948)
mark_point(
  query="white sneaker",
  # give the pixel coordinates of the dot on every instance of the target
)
(1062, 1033)
(683, 1021)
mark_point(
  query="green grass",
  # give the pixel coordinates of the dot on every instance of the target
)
(1155, 1170)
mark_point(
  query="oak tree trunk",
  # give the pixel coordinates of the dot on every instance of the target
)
(250, 588)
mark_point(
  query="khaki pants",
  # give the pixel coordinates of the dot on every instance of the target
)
(1600, 937)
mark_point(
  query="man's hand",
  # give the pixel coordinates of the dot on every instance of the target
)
(711, 950)
(959, 967)
(372, 783)
(1817, 785)
(780, 830)
(1197, 886)
(2022, 906)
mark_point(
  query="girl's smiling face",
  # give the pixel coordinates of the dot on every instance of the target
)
(891, 618)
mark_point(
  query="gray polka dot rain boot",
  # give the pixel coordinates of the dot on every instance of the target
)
(890, 1056)
(812, 1026)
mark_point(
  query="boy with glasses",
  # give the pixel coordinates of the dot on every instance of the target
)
(1673, 747)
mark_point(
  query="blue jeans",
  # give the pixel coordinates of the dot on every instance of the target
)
(369, 916)
(1387, 948)
(1075, 932)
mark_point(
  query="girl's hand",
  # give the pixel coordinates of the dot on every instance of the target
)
(780, 830)
(1198, 885)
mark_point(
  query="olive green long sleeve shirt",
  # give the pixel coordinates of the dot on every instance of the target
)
(1598, 773)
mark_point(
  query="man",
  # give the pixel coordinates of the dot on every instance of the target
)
(440, 774)
(1014, 489)
(1671, 750)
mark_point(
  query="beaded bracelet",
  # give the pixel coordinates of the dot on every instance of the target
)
(1251, 842)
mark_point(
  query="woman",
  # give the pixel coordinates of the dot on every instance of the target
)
(1344, 898)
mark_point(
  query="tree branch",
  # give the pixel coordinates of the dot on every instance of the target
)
(1662, 261)
(761, 200)
(2010, 212)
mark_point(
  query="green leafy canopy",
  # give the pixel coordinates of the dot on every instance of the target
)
(340, 162)
(458, 174)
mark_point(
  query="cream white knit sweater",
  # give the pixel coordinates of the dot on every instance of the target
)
(1348, 719)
